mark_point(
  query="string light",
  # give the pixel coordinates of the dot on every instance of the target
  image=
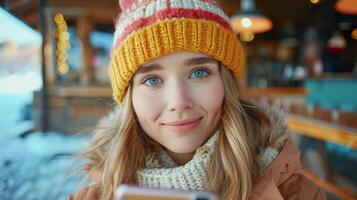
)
(62, 44)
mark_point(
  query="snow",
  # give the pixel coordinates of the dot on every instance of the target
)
(20, 83)
(40, 165)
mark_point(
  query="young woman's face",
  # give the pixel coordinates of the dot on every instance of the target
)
(178, 98)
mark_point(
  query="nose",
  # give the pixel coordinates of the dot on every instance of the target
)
(179, 98)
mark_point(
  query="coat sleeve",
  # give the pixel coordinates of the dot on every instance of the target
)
(299, 187)
(266, 190)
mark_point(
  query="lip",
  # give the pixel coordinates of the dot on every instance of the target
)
(183, 126)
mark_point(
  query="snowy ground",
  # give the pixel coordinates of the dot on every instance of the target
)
(38, 166)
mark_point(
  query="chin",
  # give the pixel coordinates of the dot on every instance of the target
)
(185, 148)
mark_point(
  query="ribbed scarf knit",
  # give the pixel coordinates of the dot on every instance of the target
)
(162, 172)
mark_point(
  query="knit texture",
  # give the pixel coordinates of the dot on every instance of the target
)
(162, 172)
(266, 157)
(147, 29)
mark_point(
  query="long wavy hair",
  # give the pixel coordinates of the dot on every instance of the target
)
(118, 150)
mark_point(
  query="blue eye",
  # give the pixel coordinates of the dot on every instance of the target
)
(152, 81)
(199, 74)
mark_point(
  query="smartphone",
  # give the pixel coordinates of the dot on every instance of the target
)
(129, 192)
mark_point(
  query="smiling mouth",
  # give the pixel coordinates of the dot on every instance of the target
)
(182, 122)
(183, 126)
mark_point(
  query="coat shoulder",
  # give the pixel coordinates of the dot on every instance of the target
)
(283, 178)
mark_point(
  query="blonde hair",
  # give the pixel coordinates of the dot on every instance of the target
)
(118, 150)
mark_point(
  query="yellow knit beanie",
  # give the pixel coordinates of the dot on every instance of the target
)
(147, 29)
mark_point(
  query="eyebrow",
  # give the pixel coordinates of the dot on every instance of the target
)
(199, 60)
(148, 68)
(188, 62)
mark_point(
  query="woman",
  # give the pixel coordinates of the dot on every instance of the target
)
(182, 121)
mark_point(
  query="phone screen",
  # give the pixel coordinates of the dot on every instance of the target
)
(128, 192)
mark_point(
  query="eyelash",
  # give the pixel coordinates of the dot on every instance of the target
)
(205, 69)
(148, 78)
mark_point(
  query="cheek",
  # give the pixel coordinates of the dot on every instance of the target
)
(210, 97)
(146, 107)
(218, 93)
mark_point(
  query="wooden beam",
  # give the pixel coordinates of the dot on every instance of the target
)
(274, 91)
(81, 3)
(84, 28)
(322, 130)
(74, 11)
(328, 186)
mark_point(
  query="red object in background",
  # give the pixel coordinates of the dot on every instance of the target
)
(337, 43)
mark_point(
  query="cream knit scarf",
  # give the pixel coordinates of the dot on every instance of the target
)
(162, 172)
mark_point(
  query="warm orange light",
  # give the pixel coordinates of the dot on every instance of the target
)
(348, 7)
(251, 24)
(315, 1)
(354, 34)
(247, 36)
(246, 22)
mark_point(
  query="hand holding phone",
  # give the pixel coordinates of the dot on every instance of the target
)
(129, 192)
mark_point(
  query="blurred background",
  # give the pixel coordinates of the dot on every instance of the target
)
(302, 58)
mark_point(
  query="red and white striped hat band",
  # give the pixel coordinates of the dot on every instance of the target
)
(141, 13)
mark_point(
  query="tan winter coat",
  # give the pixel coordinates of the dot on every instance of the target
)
(282, 179)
